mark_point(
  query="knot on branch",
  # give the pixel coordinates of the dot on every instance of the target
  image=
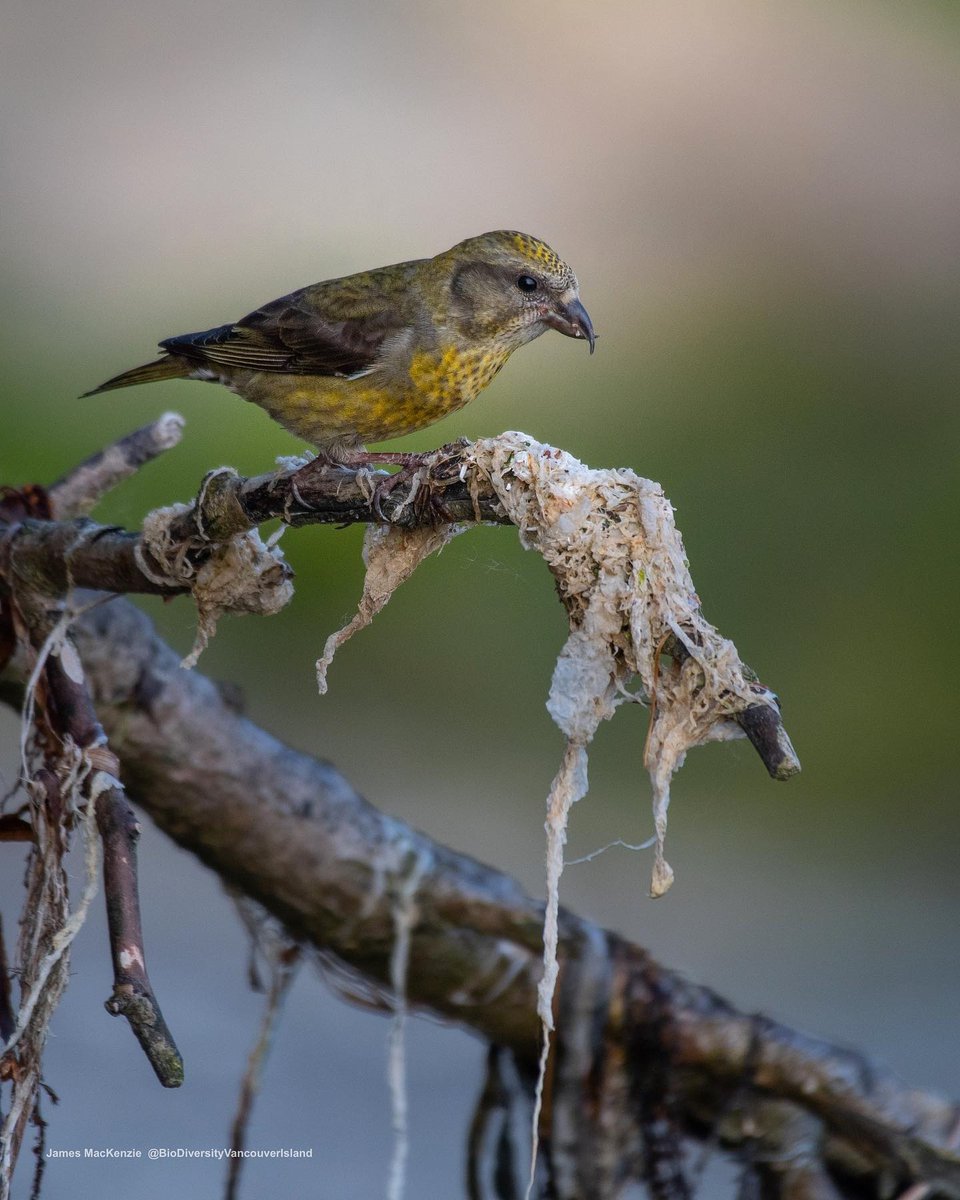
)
(241, 575)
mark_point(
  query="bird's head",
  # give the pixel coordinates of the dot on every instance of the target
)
(509, 287)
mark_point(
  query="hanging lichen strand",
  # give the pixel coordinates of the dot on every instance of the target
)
(609, 538)
(610, 541)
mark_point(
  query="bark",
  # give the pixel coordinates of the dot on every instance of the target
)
(291, 833)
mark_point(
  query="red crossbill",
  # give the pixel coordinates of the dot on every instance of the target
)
(386, 352)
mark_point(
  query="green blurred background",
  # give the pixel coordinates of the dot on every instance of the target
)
(763, 207)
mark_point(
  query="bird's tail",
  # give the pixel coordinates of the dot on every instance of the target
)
(163, 368)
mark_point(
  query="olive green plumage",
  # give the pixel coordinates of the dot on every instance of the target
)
(385, 352)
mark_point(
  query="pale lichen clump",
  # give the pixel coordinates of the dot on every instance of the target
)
(610, 540)
(242, 575)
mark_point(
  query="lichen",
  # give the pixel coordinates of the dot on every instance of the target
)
(242, 575)
(610, 541)
(390, 554)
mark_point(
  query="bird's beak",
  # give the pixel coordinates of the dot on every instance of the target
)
(573, 320)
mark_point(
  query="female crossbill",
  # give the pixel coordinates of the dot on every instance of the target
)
(383, 353)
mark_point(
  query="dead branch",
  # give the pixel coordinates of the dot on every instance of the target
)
(228, 503)
(133, 996)
(82, 488)
(69, 720)
(290, 832)
(53, 556)
(640, 1053)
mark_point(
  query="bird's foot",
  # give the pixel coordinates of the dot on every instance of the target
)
(418, 472)
(414, 471)
(425, 474)
(316, 474)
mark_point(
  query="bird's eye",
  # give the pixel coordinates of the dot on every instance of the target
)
(527, 283)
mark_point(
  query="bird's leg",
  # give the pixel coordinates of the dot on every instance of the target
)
(354, 461)
(410, 465)
(401, 458)
(415, 470)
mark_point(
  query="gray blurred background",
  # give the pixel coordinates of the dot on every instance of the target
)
(761, 202)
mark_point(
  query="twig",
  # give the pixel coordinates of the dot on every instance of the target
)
(763, 727)
(40, 1145)
(761, 723)
(8, 1021)
(228, 503)
(81, 489)
(133, 996)
(283, 959)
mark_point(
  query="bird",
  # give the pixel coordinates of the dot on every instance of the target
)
(387, 352)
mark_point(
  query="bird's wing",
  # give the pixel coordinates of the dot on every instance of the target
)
(320, 330)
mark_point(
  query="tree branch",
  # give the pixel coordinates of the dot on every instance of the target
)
(638, 1049)
(133, 996)
(228, 503)
(52, 557)
(290, 832)
(82, 488)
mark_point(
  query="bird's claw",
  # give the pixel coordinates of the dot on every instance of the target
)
(423, 499)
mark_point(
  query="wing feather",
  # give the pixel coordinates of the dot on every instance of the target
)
(320, 330)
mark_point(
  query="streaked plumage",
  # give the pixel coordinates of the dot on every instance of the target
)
(386, 352)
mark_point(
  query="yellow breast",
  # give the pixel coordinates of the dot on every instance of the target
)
(330, 410)
(450, 378)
